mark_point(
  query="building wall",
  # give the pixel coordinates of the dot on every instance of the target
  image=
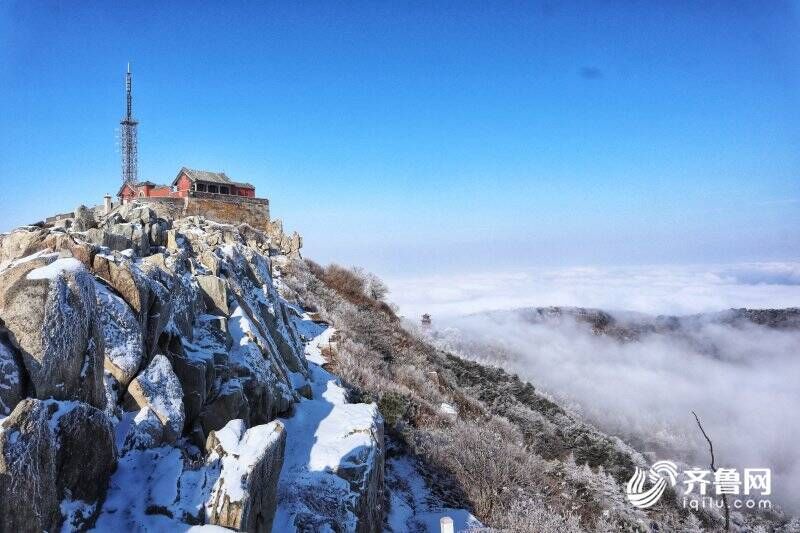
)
(225, 209)
(128, 193)
(247, 193)
(230, 209)
(161, 192)
(184, 185)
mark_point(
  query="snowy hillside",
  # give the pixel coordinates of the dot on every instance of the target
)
(153, 379)
(167, 375)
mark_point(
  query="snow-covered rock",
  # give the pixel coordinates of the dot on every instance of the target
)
(49, 451)
(215, 294)
(249, 462)
(83, 219)
(177, 328)
(122, 335)
(10, 379)
(146, 296)
(158, 390)
(48, 305)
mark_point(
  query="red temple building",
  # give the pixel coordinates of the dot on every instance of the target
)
(188, 182)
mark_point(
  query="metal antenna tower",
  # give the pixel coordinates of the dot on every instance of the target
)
(128, 137)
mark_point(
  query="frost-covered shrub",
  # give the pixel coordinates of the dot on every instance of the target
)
(393, 407)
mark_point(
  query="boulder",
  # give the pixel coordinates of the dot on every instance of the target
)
(157, 233)
(173, 238)
(211, 261)
(122, 335)
(114, 241)
(49, 308)
(139, 213)
(195, 377)
(28, 472)
(86, 453)
(215, 294)
(173, 285)
(10, 379)
(142, 430)
(44, 458)
(148, 298)
(84, 219)
(158, 388)
(20, 243)
(158, 260)
(244, 496)
(133, 233)
(228, 405)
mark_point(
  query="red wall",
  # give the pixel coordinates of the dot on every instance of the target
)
(239, 191)
(128, 193)
(184, 185)
(160, 192)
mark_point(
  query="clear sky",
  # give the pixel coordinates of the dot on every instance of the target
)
(428, 136)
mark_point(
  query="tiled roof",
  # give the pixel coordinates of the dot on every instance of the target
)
(211, 177)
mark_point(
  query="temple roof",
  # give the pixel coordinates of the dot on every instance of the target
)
(209, 177)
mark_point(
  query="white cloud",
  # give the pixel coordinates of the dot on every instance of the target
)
(744, 388)
(654, 290)
(742, 381)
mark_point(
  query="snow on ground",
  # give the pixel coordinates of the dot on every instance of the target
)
(324, 434)
(154, 490)
(165, 488)
(413, 509)
(314, 347)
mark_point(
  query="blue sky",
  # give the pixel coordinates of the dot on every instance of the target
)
(429, 137)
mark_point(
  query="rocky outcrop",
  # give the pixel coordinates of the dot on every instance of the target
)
(215, 294)
(51, 451)
(49, 308)
(148, 298)
(153, 344)
(122, 335)
(288, 245)
(84, 219)
(249, 461)
(157, 390)
(196, 377)
(11, 388)
(229, 404)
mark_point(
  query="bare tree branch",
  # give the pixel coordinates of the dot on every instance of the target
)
(714, 469)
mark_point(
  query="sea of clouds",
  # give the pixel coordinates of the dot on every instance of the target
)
(676, 290)
(742, 381)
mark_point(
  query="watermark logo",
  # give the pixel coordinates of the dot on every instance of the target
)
(700, 485)
(659, 475)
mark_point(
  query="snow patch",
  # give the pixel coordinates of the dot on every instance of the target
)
(412, 506)
(54, 269)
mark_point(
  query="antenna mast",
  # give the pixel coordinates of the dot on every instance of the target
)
(128, 136)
